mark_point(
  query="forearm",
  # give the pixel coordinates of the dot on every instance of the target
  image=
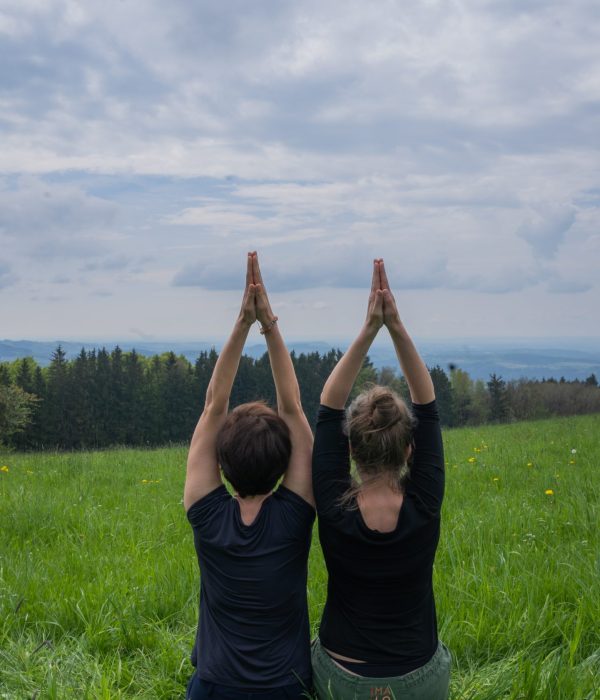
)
(340, 382)
(223, 376)
(414, 369)
(284, 376)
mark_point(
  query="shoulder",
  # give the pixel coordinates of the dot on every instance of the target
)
(292, 510)
(425, 411)
(290, 499)
(328, 414)
(208, 506)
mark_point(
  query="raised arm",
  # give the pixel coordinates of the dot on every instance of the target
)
(298, 476)
(202, 475)
(340, 382)
(414, 369)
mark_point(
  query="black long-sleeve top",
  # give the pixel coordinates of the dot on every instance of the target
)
(380, 606)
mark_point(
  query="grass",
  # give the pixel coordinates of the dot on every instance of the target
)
(99, 582)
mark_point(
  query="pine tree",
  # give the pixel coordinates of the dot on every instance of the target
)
(5, 378)
(103, 405)
(133, 399)
(55, 414)
(444, 395)
(81, 380)
(499, 410)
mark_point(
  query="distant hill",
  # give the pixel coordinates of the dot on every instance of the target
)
(510, 359)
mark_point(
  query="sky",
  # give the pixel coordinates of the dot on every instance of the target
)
(145, 147)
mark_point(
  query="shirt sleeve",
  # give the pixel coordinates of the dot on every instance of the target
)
(427, 475)
(202, 513)
(331, 461)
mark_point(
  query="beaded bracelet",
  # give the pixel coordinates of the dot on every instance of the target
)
(266, 329)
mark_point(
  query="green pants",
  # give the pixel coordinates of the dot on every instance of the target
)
(429, 682)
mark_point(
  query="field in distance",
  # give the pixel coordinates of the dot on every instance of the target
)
(99, 581)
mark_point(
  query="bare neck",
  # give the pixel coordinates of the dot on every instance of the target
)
(250, 506)
(380, 506)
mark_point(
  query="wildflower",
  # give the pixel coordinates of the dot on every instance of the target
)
(477, 449)
(573, 451)
(571, 461)
(4, 469)
(144, 481)
(549, 492)
(495, 478)
(471, 460)
(530, 464)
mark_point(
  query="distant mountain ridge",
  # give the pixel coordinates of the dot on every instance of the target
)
(510, 359)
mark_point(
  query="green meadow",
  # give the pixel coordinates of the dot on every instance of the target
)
(99, 581)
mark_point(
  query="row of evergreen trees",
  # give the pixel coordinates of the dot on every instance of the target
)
(101, 398)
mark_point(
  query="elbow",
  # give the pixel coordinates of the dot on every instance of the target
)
(291, 408)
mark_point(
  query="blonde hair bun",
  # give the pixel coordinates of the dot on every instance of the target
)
(380, 427)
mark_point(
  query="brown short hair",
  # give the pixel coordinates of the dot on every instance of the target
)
(380, 429)
(253, 448)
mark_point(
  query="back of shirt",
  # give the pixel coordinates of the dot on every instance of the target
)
(380, 606)
(253, 631)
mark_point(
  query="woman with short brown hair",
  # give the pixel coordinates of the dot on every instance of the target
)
(253, 633)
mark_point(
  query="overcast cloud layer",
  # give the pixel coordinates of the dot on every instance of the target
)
(146, 146)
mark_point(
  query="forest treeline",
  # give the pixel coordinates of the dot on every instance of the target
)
(106, 398)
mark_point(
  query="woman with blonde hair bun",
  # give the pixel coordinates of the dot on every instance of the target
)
(378, 635)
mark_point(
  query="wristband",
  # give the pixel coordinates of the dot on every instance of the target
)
(267, 328)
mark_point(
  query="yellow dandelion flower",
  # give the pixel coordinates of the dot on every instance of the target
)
(471, 460)
(549, 492)
(144, 481)
(4, 469)
(530, 464)
(477, 449)
(571, 461)
(495, 478)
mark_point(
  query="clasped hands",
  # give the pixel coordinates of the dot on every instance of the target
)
(381, 309)
(255, 304)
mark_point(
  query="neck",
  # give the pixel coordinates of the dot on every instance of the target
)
(250, 506)
(380, 485)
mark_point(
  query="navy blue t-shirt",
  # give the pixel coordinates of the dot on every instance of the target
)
(253, 631)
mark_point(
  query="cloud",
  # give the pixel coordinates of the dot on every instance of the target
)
(119, 262)
(294, 267)
(297, 90)
(6, 276)
(55, 220)
(560, 285)
(149, 149)
(546, 228)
